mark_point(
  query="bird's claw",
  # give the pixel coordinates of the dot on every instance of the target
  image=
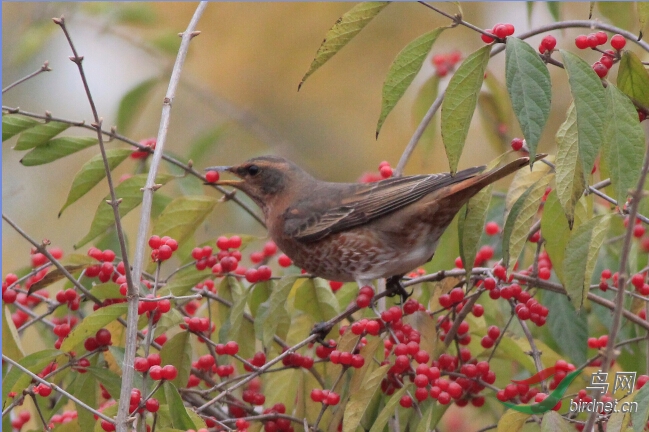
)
(321, 330)
(394, 285)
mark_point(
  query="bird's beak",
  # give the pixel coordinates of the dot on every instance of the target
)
(220, 169)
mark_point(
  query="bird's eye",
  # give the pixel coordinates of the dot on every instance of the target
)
(253, 170)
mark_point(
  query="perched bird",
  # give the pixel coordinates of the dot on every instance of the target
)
(358, 231)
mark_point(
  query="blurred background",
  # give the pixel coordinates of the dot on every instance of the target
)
(238, 97)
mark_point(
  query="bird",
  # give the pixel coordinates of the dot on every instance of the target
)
(358, 231)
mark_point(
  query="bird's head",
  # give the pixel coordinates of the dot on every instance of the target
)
(264, 179)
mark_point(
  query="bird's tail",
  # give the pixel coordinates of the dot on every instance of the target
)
(494, 175)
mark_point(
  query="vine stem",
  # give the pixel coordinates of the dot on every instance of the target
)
(412, 144)
(147, 199)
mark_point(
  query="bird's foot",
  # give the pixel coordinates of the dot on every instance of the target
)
(321, 330)
(393, 284)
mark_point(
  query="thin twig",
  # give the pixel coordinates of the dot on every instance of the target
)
(145, 216)
(44, 68)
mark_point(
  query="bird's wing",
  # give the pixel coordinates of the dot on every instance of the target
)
(363, 203)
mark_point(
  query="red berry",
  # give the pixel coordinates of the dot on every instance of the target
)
(212, 176)
(618, 42)
(500, 30)
(477, 310)
(264, 273)
(363, 301)
(549, 42)
(637, 280)
(493, 332)
(485, 38)
(332, 399)
(489, 284)
(592, 40)
(606, 61)
(155, 372)
(169, 372)
(581, 41)
(385, 171)
(141, 364)
(164, 252)
(487, 342)
(103, 337)
(600, 69)
(105, 425)
(492, 228)
(602, 37)
(252, 275)
(606, 274)
(517, 144)
(638, 231)
(509, 29)
(155, 242)
(231, 348)
(406, 401)
(284, 261)
(456, 295)
(317, 395)
(152, 405)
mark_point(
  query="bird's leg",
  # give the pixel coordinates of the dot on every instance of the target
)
(321, 330)
(393, 284)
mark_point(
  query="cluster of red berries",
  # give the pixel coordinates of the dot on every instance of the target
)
(162, 248)
(142, 364)
(279, 424)
(596, 343)
(326, 397)
(593, 40)
(638, 281)
(346, 359)
(297, 360)
(385, 171)
(153, 307)
(197, 324)
(365, 295)
(212, 176)
(258, 360)
(142, 154)
(19, 421)
(547, 44)
(158, 372)
(64, 417)
(445, 63)
(501, 31)
(638, 228)
(102, 339)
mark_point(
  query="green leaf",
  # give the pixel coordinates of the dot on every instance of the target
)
(200, 147)
(91, 323)
(54, 276)
(388, 410)
(183, 281)
(568, 328)
(168, 42)
(17, 381)
(110, 380)
(272, 313)
(344, 30)
(496, 113)
(92, 172)
(569, 173)
(640, 416)
(315, 298)
(11, 345)
(359, 401)
(528, 83)
(179, 417)
(131, 105)
(56, 148)
(590, 103)
(107, 290)
(235, 327)
(581, 256)
(178, 352)
(403, 70)
(623, 143)
(460, 102)
(554, 422)
(84, 387)
(512, 421)
(471, 222)
(183, 216)
(556, 231)
(260, 292)
(13, 124)
(129, 191)
(633, 78)
(520, 219)
(39, 135)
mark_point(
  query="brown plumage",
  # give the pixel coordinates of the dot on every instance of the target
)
(358, 231)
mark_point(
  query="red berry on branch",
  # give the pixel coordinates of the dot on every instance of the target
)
(600, 69)
(485, 38)
(549, 42)
(492, 228)
(618, 42)
(212, 176)
(581, 41)
(606, 61)
(602, 37)
(517, 144)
